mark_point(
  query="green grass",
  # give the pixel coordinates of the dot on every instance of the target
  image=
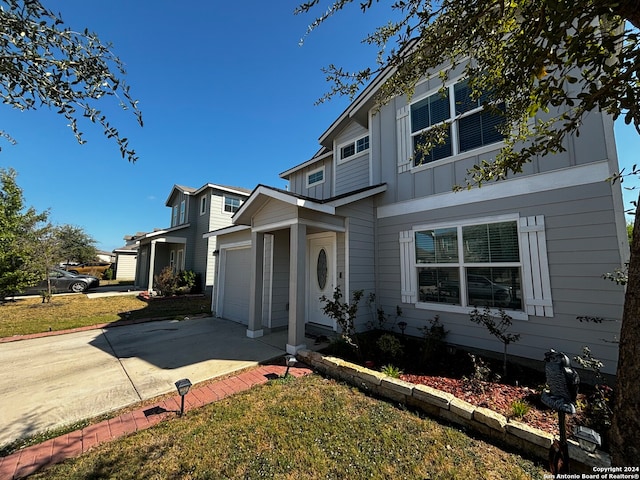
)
(303, 428)
(30, 315)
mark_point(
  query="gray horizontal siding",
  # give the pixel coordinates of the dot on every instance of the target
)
(593, 145)
(275, 212)
(582, 245)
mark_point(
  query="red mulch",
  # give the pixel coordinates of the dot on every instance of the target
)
(499, 398)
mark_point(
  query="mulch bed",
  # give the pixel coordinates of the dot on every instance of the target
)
(499, 398)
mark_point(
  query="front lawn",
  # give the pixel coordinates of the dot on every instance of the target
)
(30, 315)
(306, 428)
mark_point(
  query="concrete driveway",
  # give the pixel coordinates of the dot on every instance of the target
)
(58, 380)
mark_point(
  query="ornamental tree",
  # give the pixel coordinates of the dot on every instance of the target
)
(75, 245)
(20, 230)
(44, 64)
(549, 63)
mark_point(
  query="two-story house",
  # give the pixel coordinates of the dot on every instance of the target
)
(181, 246)
(371, 211)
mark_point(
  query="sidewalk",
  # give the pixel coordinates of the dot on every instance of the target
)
(31, 459)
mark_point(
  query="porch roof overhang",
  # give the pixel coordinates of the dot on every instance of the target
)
(225, 231)
(262, 195)
(164, 235)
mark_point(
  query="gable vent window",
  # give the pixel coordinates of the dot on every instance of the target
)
(315, 177)
(468, 124)
(353, 148)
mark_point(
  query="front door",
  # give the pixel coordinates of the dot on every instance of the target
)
(321, 278)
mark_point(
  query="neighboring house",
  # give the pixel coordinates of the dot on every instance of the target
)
(126, 258)
(107, 257)
(181, 246)
(370, 212)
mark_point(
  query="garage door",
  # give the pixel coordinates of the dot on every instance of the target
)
(235, 301)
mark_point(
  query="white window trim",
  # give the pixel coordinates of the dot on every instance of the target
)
(203, 204)
(536, 284)
(318, 182)
(180, 260)
(224, 203)
(183, 211)
(455, 156)
(357, 154)
(172, 260)
(174, 216)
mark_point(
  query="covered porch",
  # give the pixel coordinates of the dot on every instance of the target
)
(158, 250)
(294, 250)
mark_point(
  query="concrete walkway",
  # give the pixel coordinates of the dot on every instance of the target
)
(29, 460)
(52, 381)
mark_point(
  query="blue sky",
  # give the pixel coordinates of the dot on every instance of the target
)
(227, 95)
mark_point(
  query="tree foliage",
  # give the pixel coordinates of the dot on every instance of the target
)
(560, 59)
(43, 63)
(550, 63)
(75, 245)
(20, 230)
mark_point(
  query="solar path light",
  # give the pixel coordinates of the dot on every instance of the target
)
(183, 387)
(588, 438)
(290, 360)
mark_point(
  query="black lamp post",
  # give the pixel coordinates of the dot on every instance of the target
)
(183, 387)
(403, 326)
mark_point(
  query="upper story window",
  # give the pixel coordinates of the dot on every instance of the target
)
(174, 216)
(468, 124)
(231, 204)
(354, 148)
(203, 205)
(183, 210)
(315, 177)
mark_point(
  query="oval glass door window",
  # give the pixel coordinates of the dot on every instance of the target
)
(321, 268)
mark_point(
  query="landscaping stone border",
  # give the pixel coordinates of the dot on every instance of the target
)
(445, 406)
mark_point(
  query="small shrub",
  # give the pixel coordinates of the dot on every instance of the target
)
(345, 315)
(598, 405)
(391, 371)
(384, 321)
(187, 279)
(46, 296)
(166, 281)
(390, 347)
(519, 408)
(433, 334)
(481, 374)
(497, 329)
(172, 283)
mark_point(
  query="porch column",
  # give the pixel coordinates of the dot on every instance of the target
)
(254, 329)
(152, 261)
(297, 290)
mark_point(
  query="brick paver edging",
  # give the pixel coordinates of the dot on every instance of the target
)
(31, 459)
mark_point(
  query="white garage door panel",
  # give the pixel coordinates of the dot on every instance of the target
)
(236, 285)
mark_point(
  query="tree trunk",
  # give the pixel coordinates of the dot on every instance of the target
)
(625, 428)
